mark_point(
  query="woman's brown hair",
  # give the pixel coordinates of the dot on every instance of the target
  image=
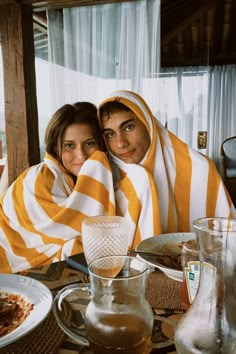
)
(80, 112)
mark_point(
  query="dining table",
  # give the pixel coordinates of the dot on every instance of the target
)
(162, 292)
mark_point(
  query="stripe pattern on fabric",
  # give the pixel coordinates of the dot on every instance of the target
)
(41, 213)
(180, 185)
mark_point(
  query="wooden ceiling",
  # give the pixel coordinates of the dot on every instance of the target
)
(198, 32)
(193, 32)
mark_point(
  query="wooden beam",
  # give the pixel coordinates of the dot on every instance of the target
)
(16, 28)
(185, 20)
(7, 2)
(39, 5)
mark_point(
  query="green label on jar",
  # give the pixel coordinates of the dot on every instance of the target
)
(192, 276)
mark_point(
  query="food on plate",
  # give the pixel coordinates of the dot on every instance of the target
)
(170, 249)
(14, 309)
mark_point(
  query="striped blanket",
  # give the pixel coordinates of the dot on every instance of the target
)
(171, 187)
(42, 211)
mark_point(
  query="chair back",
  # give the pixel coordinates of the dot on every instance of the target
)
(228, 152)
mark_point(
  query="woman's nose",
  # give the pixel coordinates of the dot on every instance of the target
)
(80, 153)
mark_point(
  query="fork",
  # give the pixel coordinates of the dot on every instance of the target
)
(149, 253)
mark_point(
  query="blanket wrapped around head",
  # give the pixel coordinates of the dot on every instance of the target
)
(42, 211)
(173, 184)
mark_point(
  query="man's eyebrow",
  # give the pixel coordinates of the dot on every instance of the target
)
(120, 126)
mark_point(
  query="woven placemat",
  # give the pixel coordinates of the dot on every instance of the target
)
(46, 338)
(163, 292)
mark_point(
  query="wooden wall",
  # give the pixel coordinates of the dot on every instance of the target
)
(16, 29)
(21, 116)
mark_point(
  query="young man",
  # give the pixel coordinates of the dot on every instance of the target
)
(161, 184)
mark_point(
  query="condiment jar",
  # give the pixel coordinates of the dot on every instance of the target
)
(191, 272)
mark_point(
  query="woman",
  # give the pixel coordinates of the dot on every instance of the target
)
(42, 211)
(161, 184)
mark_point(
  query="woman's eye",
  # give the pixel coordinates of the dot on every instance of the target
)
(91, 143)
(68, 145)
(108, 135)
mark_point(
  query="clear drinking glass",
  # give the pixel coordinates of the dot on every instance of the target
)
(209, 325)
(118, 318)
(104, 236)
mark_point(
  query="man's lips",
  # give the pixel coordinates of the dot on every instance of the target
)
(78, 165)
(127, 153)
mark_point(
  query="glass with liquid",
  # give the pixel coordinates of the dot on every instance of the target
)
(118, 318)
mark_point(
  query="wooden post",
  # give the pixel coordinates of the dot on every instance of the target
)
(22, 138)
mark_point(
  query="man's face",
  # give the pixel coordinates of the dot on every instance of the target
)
(126, 136)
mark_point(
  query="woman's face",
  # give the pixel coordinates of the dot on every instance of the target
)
(78, 144)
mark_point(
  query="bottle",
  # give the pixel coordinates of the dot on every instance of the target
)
(191, 272)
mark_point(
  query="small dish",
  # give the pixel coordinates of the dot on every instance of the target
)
(153, 244)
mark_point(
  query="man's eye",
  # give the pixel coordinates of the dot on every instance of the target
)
(109, 135)
(129, 127)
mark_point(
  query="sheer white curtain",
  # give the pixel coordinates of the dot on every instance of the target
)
(98, 49)
(194, 99)
(221, 107)
(183, 97)
(95, 50)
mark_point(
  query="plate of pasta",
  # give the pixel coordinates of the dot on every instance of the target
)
(24, 304)
(169, 244)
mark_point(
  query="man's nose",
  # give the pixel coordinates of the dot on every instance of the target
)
(121, 141)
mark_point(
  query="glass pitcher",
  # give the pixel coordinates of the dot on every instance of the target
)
(118, 318)
(209, 326)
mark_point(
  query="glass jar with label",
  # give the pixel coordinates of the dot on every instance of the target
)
(191, 272)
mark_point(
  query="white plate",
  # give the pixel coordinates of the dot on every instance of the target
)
(152, 244)
(37, 294)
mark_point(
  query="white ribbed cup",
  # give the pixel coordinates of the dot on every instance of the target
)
(104, 236)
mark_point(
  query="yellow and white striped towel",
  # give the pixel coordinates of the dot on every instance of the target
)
(41, 212)
(171, 187)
